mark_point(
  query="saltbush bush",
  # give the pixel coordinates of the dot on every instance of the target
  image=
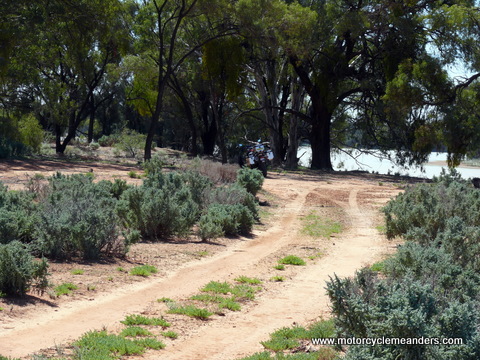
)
(161, 207)
(430, 288)
(77, 218)
(19, 271)
(18, 217)
(231, 195)
(222, 219)
(250, 179)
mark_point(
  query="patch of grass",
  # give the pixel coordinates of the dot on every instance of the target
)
(134, 331)
(382, 229)
(321, 329)
(229, 303)
(77, 272)
(258, 356)
(246, 280)
(165, 300)
(91, 287)
(190, 310)
(1, 308)
(244, 292)
(292, 260)
(143, 320)
(279, 267)
(150, 343)
(133, 175)
(121, 269)
(277, 278)
(65, 289)
(217, 287)
(143, 270)
(378, 266)
(100, 345)
(316, 226)
(170, 334)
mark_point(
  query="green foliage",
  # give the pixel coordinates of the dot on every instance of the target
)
(225, 220)
(18, 216)
(230, 195)
(163, 206)
(217, 287)
(143, 320)
(191, 311)
(143, 270)
(315, 226)
(134, 331)
(248, 280)
(250, 179)
(78, 218)
(131, 142)
(65, 289)
(429, 288)
(30, 132)
(170, 334)
(19, 272)
(292, 260)
(99, 345)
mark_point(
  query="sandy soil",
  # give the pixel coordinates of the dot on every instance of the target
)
(107, 293)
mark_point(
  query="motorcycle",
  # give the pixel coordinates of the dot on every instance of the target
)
(257, 156)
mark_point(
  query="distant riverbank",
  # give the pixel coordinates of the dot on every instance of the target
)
(374, 162)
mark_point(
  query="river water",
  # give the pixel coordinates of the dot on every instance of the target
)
(377, 164)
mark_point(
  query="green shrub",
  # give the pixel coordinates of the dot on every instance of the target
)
(65, 289)
(18, 270)
(191, 311)
(108, 140)
(78, 218)
(225, 219)
(231, 195)
(18, 216)
(130, 142)
(163, 206)
(250, 179)
(30, 132)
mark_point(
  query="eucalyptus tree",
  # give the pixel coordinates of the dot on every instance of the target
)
(163, 31)
(378, 58)
(66, 55)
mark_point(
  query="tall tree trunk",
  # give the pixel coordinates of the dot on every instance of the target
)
(320, 139)
(91, 120)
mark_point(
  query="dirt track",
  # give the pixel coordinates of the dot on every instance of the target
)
(355, 199)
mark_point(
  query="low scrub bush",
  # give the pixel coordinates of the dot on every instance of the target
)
(231, 195)
(19, 271)
(78, 218)
(18, 216)
(191, 311)
(161, 207)
(144, 270)
(130, 142)
(250, 179)
(222, 220)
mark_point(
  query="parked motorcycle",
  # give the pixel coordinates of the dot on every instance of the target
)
(256, 156)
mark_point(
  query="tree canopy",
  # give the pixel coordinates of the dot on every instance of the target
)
(203, 75)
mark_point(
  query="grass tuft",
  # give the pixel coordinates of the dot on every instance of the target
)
(65, 289)
(143, 270)
(143, 320)
(292, 260)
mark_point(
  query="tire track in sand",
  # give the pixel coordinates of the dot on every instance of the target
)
(303, 300)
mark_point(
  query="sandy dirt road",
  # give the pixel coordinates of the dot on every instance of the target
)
(353, 199)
